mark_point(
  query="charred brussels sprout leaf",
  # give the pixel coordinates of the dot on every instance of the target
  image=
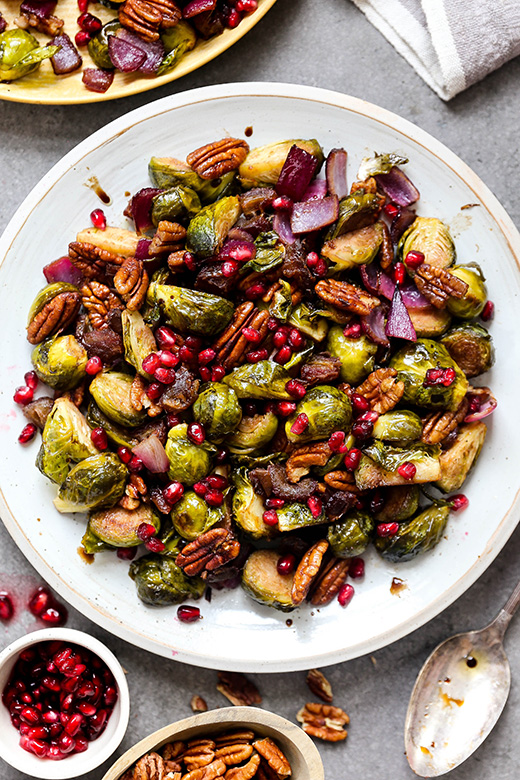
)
(60, 362)
(176, 41)
(252, 434)
(98, 481)
(174, 204)
(218, 410)
(379, 464)
(379, 163)
(265, 379)
(306, 318)
(159, 581)
(191, 311)
(65, 441)
(270, 253)
(457, 462)
(111, 392)
(248, 507)
(359, 247)
(261, 581)
(117, 527)
(191, 516)
(328, 410)
(418, 535)
(189, 463)
(471, 348)
(262, 165)
(400, 503)
(20, 54)
(351, 535)
(398, 426)
(357, 355)
(208, 229)
(138, 339)
(475, 297)
(431, 237)
(413, 361)
(293, 516)
(356, 211)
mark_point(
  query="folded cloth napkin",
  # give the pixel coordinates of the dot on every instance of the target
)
(452, 44)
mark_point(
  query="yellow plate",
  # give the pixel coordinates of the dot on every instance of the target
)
(43, 86)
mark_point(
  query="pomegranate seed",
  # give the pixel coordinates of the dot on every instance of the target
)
(151, 363)
(83, 5)
(206, 356)
(282, 203)
(274, 503)
(155, 545)
(88, 709)
(30, 715)
(285, 408)
(39, 601)
(300, 424)
(257, 355)
(66, 743)
(36, 746)
(296, 339)
(346, 594)
(54, 616)
(165, 337)
(81, 745)
(173, 492)
(488, 312)
(196, 433)
(6, 606)
(125, 454)
(193, 342)
(407, 470)
(283, 355)
(286, 564)
(459, 502)
(270, 517)
(315, 505)
(205, 373)
(272, 324)
(217, 481)
(214, 498)
(414, 259)
(352, 459)
(99, 438)
(66, 704)
(165, 375)
(97, 217)
(136, 465)
(352, 331)
(246, 6)
(356, 569)
(93, 25)
(233, 19)
(279, 338)
(229, 268)
(433, 377)
(27, 433)
(23, 395)
(50, 717)
(387, 529)
(399, 273)
(252, 335)
(145, 531)
(94, 365)
(391, 210)
(321, 267)
(312, 259)
(126, 553)
(110, 696)
(295, 388)
(255, 291)
(362, 429)
(186, 354)
(449, 377)
(221, 455)
(74, 724)
(337, 441)
(54, 753)
(31, 379)
(359, 403)
(82, 38)
(217, 373)
(200, 488)
(369, 416)
(188, 614)
(189, 261)
(167, 358)
(39, 732)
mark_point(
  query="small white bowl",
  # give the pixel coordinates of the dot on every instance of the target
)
(100, 749)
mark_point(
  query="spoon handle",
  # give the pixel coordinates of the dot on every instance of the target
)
(503, 618)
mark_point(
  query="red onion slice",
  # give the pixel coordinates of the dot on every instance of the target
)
(153, 50)
(198, 7)
(153, 454)
(316, 189)
(399, 324)
(97, 79)
(336, 172)
(297, 173)
(400, 223)
(62, 270)
(314, 214)
(140, 207)
(486, 408)
(282, 226)
(141, 253)
(42, 9)
(237, 249)
(373, 326)
(3, 24)
(124, 55)
(67, 58)
(397, 187)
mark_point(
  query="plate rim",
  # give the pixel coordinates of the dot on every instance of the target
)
(291, 91)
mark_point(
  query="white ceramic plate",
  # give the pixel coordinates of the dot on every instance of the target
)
(235, 632)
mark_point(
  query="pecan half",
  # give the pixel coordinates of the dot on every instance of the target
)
(172, 750)
(301, 461)
(208, 552)
(328, 583)
(198, 704)
(215, 769)
(382, 389)
(48, 25)
(176, 261)
(54, 317)
(323, 721)
(347, 297)
(307, 571)
(219, 157)
(341, 480)
(199, 752)
(146, 17)
(98, 300)
(234, 754)
(319, 685)
(438, 285)
(169, 237)
(271, 753)
(245, 772)
(386, 252)
(234, 737)
(321, 369)
(238, 689)
(231, 346)
(149, 767)
(438, 425)
(131, 282)
(93, 262)
(265, 772)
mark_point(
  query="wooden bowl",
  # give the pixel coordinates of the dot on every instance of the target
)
(298, 747)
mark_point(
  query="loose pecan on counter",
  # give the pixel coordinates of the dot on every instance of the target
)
(54, 317)
(323, 721)
(208, 552)
(219, 157)
(319, 685)
(307, 571)
(238, 689)
(382, 389)
(198, 704)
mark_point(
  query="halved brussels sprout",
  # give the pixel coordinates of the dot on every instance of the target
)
(265, 379)
(159, 581)
(166, 172)
(262, 165)
(92, 544)
(111, 392)
(308, 321)
(457, 462)
(351, 535)
(176, 41)
(379, 163)
(379, 464)
(355, 248)
(189, 463)
(98, 45)
(356, 211)
(60, 362)
(120, 241)
(66, 440)
(248, 508)
(418, 535)
(475, 297)
(471, 348)
(252, 433)
(191, 516)
(400, 503)
(45, 295)
(398, 426)
(138, 339)
(261, 581)
(20, 54)
(413, 361)
(293, 516)
(357, 355)
(118, 527)
(96, 482)
(175, 204)
(431, 237)
(431, 322)
(191, 311)
(328, 410)
(216, 189)
(119, 434)
(218, 410)
(208, 229)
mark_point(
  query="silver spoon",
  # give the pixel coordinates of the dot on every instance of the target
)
(458, 696)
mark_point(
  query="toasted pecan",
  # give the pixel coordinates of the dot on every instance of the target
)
(301, 461)
(54, 316)
(219, 157)
(438, 425)
(307, 571)
(347, 297)
(169, 237)
(323, 721)
(92, 261)
(438, 285)
(98, 300)
(382, 389)
(131, 282)
(238, 689)
(208, 552)
(328, 583)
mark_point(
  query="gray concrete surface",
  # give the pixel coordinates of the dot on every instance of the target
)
(327, 44)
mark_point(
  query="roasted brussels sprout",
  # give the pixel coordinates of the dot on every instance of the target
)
(356, 211)
(138, 339)
(218, 410)
(117, 527)
(418, 535)
(207, 231)
(357, 355)
(379, 464)
(265, 379)
(398, 426)
(191, 311)
(355, 248)
(269, 254)
(45, 295)
(216, 189)
(191, 516)
(293, 516)
(412, 363)
(351, 535)
(120, 241)
(400, 503)
(328, 410)
(457, 462)
(248, 507)
(65, 441)
(20, 54)
(262, 165)
(261, 581)
(252, 434)
(96, 482)
(119, 434)
(471, 347)
(430, 323)
(475, 297)
(60, 362)
(379, 163)
(189, 463)
(174, 204)
(92, 544)
(159, 581)
(98, 45)
(111, 392)
(176, 41)
(431, 237)
(167, 172)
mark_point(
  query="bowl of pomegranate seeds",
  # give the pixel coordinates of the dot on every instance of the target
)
(64, 703)
(261, 382)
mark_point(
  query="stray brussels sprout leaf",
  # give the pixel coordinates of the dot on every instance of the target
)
(281, 302)
(306, 318)
(418, 535)
(66, 440)
(159, 581)
(264, 379)
(351, 535)
(379, 163)
(270, 253)
(293, 516)
(261, 581)
(98, 481)
(191, 311)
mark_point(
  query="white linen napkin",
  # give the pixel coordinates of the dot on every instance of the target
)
(452, 44)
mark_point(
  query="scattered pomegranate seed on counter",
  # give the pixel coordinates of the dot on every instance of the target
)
(6, 606)
(28, 433)
(23, 395)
